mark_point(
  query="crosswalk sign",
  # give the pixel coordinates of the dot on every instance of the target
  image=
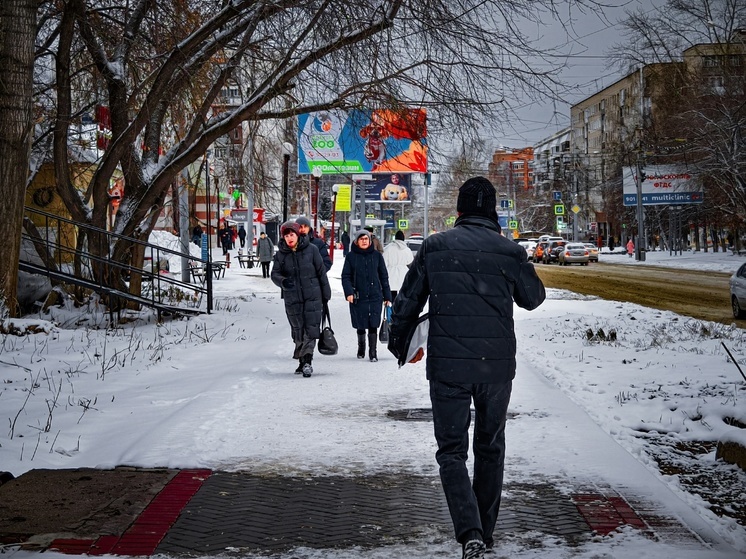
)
(559, 209)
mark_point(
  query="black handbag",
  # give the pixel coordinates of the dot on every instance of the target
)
(327, 342)
(383, 333)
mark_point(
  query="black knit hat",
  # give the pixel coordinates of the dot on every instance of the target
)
(477, 197)
(303, 220)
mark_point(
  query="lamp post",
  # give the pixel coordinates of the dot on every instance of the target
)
(335, 189)
(317, 172)
(287, 149)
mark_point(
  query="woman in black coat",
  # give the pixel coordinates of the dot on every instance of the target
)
(366, 285)
(299, 270)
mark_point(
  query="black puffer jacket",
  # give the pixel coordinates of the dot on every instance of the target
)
(364, 271)
(471, 275)
(302, 276)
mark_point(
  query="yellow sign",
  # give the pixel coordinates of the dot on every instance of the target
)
(575, 209)
(403, 224)
(343, 198)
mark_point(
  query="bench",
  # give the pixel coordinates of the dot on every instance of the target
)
(198, 273)
(739, 252)
(246, 260)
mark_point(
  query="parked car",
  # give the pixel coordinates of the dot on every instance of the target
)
(592, 252)
(414, 243)
(530, 246)
(738, 292)
(574, 253)
(551, 253)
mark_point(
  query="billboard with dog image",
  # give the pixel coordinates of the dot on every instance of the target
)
(387, 188)
(363, 141)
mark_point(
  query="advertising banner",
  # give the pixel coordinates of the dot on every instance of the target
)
(387, 188)
(363, 141)
(662, 185)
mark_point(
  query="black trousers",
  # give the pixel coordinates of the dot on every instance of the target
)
(265, 269)
(473, 505)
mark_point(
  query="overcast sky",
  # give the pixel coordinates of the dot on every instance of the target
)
(586, 42)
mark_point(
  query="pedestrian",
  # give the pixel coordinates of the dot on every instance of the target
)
(242, 235)
(226, 239)
(305, 230)
(375, 241)
(197, 235)
(345, 243)
(471, 275)
(299, 271)
(397, 256)
(630, 247)
(265, 250)
(366, 286)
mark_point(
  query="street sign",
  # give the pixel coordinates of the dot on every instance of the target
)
(403, 224)
(506, 204)
(559, 209)
(560, 223)
(513, 224)
(450, 220)
(575, 209)
(556, 195)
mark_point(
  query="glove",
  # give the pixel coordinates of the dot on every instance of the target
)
(288, 283)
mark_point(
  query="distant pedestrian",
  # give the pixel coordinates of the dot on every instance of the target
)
(242, 236)
(630, 247)
(226, 239)
(299, 271)
(471, 276)
(197, 235)
(265, 250)
(305, 229)
(375, 241)
(366, 286)
(345, 243)
(397, 256)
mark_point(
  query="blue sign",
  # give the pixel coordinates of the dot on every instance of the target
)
(556, 195)
(204, 247)
(662, 198)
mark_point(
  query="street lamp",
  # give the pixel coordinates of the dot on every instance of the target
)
(317, 172)
(335, 189)
(287, 150)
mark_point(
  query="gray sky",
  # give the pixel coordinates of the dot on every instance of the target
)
(586, 44)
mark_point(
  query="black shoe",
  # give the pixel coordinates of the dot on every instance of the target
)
(299, 370)
(307, 368)
(361, 346)
(372, 352)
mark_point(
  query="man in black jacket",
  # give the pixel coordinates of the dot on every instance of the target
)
(305, 229)
(471, 275)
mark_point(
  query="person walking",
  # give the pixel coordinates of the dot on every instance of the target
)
(345, 243)
(197, 235)
(375, 241)
(397, 256)
(471, 275)
(365, 282)
(630, 247)
(242, 235)
(299, 271)
(226, 239)
(305, 229)
(265, 250)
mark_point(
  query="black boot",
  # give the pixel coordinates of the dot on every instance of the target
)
(372, 343)
(361, 346)
(299, 370)
(307, 369)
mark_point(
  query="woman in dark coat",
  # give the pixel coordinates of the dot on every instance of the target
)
(299, 270)
(366, 285)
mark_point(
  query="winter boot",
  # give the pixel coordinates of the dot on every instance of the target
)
(361, 346)
(307, 369)
(299, 370)
(372, 343)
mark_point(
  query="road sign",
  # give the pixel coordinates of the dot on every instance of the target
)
(575, 209)
(560, 223)
(403, 224)
(451, 220)
(556, 195)
(506, 204)
(559, 209)
(513, 224)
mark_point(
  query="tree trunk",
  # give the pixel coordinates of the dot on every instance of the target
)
(17, 34)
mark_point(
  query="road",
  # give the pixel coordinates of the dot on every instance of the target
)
(702, 295)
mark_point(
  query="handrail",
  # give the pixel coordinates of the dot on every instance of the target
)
(165, 292)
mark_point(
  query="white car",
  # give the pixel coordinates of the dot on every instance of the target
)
(529, 246)
(573, 253)
(738, 292)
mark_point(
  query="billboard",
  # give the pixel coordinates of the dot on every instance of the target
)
(387, 188)
(363, 141)
(662, 185)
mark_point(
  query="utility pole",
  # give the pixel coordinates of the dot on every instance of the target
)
(640, 248)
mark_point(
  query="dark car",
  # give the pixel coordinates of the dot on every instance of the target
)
(551, 254)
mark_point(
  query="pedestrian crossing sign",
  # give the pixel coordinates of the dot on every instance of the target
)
(403, 224)
(559, 209)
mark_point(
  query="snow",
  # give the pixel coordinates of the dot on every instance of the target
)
(218, 391)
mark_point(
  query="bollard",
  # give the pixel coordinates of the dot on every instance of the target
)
(227, 259)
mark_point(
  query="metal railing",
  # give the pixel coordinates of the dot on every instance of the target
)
(58, 247)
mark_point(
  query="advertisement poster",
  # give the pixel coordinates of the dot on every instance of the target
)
(387, 188)
(662, 185)
(363, 141)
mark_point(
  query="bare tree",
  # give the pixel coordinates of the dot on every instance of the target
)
(17, 32)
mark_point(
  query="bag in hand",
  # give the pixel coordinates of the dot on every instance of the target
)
(327, 342)
(383, 334)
